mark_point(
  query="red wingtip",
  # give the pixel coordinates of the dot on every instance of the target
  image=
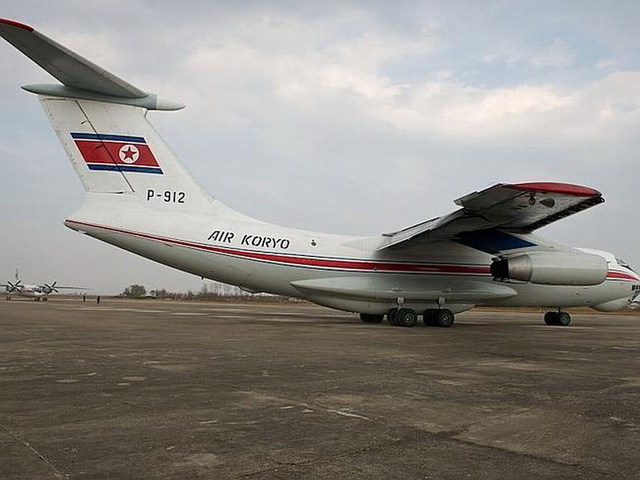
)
(553, 187)
(13, 23)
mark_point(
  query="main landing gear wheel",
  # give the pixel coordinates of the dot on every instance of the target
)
(439, 317)
(370, 318)
(406, 317)
(562, 319)
(391, 316)
(402, 317)
(429, 317)
(445, 318)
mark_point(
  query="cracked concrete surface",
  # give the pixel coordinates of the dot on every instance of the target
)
(163, 390)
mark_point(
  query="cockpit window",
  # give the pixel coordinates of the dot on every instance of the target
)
(624, 264)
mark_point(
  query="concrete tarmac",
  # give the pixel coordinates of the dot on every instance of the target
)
(169, 390)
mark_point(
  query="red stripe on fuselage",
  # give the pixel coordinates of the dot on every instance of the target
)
(330, 263)
(312, 262)
(611, 275)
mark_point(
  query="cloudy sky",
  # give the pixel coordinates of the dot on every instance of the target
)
(348, 117)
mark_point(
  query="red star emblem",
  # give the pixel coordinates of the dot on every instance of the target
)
(128, 153)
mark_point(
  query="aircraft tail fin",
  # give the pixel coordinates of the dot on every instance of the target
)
(101, 122)
(114, 149)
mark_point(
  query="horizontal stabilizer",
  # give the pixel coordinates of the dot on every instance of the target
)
(80, 76)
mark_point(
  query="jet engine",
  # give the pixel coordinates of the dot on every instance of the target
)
(551, 268)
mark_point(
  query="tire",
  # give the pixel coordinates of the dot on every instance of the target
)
(551, 318)
(445, 318)
(429, 317)
(564, 319)
(391, 316)
(406, 317)
(370, 318)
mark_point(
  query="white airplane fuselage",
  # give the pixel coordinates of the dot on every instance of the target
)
(342, 272)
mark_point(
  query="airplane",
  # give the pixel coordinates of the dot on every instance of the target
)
(141, 198)
(37, 292)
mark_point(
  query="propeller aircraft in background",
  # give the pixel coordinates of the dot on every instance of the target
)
(139, 197)
(37, 292)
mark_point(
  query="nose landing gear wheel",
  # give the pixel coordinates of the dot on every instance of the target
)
(562, 319)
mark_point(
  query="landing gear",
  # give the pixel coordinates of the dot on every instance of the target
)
(562, 319)
(445, 318)
(369, 318)
(439, 317)
(402, 317)
(391, 317)
(429, 317)
(407, 317)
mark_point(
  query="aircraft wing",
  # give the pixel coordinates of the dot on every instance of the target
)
(515, 208)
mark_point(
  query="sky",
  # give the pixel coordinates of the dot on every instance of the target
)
(354, 117)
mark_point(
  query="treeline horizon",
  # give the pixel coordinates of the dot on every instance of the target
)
(206, 292)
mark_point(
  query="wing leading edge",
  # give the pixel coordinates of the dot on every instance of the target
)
(515, 208)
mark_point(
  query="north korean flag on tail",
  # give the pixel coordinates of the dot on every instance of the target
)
(120, 153)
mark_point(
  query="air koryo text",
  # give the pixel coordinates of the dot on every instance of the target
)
(250, 240)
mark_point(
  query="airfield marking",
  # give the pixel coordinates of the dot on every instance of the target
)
(348, 414)
(185, 314)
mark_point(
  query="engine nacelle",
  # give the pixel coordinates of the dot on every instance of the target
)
(552, 268)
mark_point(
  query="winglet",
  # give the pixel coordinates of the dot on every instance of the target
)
(81, 78)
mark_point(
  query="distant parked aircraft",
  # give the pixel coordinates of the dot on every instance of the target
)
(37, 292)
(141, 198)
